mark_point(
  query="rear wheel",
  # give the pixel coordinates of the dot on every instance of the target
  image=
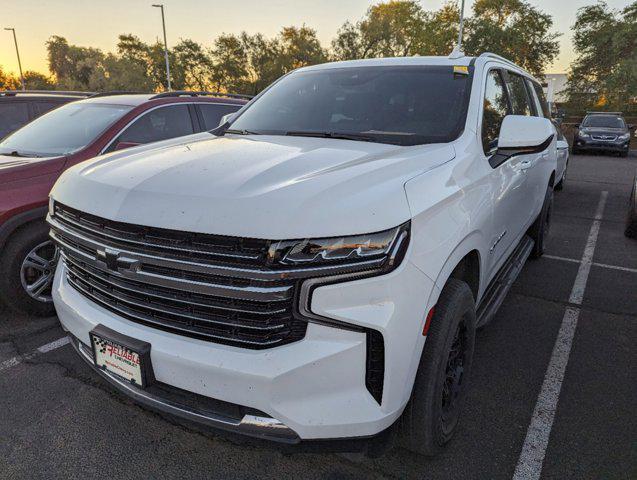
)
(539, 231)
(432, 414)
(28, 266)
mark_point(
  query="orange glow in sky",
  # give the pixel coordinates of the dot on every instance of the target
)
(94, 23)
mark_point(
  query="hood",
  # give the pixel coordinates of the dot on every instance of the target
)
(256, 186)
(613, 131)
(20, 168)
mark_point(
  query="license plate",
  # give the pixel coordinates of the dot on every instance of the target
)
(126, 357)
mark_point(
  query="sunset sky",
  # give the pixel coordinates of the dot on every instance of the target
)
(98, 23)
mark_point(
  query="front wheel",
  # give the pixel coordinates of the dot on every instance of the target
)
(28, 265)
(431, 416)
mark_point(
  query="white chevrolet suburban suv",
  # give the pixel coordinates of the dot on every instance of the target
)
(317, 266)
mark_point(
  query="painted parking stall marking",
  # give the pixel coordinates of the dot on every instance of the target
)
(12, 362)
(529, 466)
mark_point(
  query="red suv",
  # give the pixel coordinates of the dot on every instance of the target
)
(33, 157)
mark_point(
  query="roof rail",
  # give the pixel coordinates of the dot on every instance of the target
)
(12, 93)
(117, 92)
(497, 57)
(604, 113)
(185, 93)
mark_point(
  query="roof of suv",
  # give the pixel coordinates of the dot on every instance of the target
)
(137, 99)
(451, 61)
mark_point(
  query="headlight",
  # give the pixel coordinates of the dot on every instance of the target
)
(583, 134)
(380, 250)
(624, 136)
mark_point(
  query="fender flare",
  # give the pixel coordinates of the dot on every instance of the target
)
(468, 244)
(19, 220)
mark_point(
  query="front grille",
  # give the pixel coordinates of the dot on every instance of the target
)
(215, 288)
(604, 138)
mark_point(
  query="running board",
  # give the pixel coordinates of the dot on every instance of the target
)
(502, 282)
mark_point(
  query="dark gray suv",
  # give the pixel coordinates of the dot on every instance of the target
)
(603, 131)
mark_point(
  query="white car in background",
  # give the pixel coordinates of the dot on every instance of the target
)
(562, 158)
(317, 268)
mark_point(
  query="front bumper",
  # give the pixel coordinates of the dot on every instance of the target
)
(591, 144)
(307, 390)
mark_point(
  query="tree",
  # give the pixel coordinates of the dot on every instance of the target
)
(248, 63)
(392, 29)
(193, 65)
(38, 81)
(604, 73)
(8, 81)
(514, 29)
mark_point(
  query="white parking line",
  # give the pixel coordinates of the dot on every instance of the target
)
(12, 362)
(531, 459)
(595, 264)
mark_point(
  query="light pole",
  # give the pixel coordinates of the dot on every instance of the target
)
(17, 52)
(163, 23)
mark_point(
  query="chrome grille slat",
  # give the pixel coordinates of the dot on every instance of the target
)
(241, 304)
(248, 293)
(154, 321)
(160, 309)
(99, 232)
(119, 283)
(86, 243)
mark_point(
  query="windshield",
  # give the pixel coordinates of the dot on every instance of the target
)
(62, 131)
(604, 121)
(398, 105)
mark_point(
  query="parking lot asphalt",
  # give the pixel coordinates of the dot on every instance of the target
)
(537, 408)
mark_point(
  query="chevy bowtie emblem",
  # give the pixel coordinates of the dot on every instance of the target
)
(113, 260)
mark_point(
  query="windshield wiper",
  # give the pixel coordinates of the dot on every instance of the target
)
(241, 132)
(15, 153)
(337, 135)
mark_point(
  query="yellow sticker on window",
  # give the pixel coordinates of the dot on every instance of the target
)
(462, 70)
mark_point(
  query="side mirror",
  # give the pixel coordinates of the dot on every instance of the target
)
(576, 125)
(522, 135)
(631, 126)
(123, 145)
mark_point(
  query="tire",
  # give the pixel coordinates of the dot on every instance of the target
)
(631, 217)
(539, 231)
(32, 242)
(624, 154)
(431, 415)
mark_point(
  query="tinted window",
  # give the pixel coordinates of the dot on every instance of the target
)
(496, 107)
(43, 107)
(159, 124)
(520, 103)
(397, 105)
(64, 130)
(12, 116)
(212, 113)
(604, 121)
(546, 112)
